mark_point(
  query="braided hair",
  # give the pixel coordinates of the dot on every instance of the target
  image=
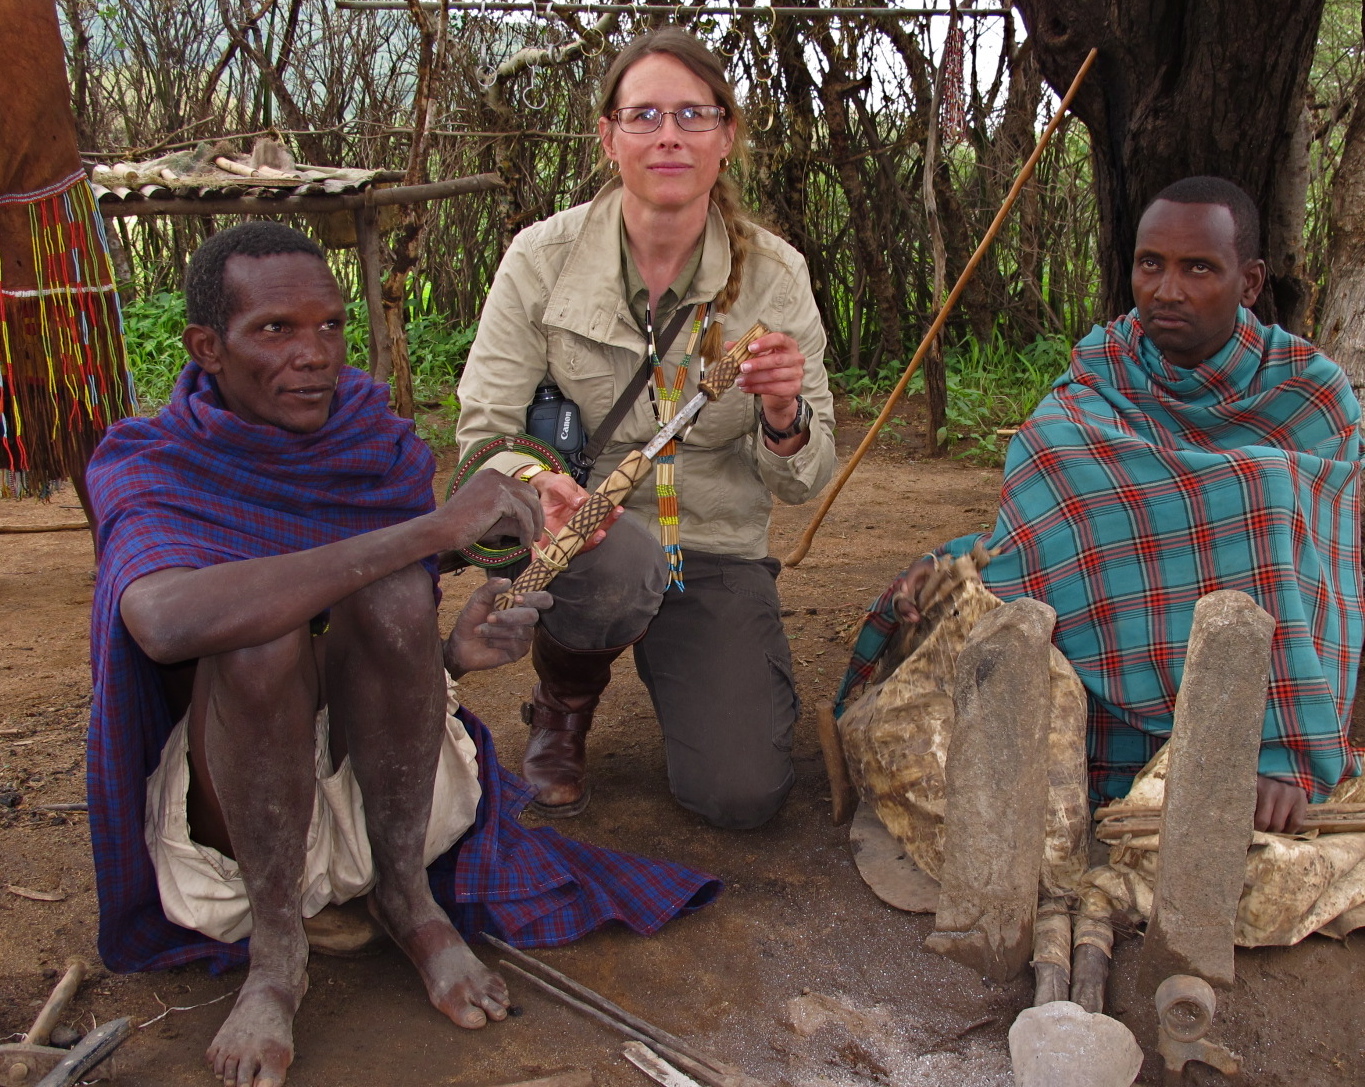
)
(725, 195)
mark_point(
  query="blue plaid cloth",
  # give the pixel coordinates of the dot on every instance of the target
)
(1136, 488)
(196, 486)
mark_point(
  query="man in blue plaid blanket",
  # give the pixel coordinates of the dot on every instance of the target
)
(1188, 448)
(271, 731)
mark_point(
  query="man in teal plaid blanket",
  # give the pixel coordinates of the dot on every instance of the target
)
(1187, 449)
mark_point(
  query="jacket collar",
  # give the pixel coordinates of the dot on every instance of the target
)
(589, 297)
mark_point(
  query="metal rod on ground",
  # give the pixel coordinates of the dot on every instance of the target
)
(645, 1028)
(703, 1072)
(574, 1078)
(1025, 173)
(88, 1053)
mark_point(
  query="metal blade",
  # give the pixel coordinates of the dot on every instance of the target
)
(676, 424)
(654, 1066)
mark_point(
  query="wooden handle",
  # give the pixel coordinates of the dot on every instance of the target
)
(41, 1031)
(722, 375)
(574, 536)
(842, 795)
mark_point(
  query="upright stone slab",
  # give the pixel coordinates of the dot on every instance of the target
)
(1210, 803)
(996, 801)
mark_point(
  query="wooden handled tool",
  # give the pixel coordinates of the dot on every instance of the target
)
(629, 474)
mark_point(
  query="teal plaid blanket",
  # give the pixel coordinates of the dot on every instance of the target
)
(1137, 487)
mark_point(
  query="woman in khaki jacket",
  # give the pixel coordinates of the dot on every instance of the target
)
(584, 297)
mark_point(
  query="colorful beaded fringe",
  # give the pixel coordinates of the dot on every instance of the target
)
(63, 378)
(667, 399)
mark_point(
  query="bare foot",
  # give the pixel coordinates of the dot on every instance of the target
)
(458, 985)
(255, 1046)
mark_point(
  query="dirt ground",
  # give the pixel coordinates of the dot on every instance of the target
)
(795, 917)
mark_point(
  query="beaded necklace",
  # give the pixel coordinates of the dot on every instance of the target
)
(666, 399)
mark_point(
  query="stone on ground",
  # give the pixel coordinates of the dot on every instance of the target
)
(1063, 1045)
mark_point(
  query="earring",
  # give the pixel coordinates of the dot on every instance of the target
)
(613, 166)
(725, 162)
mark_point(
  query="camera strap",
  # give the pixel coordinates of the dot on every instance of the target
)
(593, 449)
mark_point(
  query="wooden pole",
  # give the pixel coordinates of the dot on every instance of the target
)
(41, 1031)
(114, 208)
(843, 796)
(371, 276)
(803, 546)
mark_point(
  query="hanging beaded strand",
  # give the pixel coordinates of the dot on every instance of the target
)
(666, 400)
(62, 372)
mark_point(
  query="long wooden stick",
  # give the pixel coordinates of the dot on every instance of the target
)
(41, 1031)
(803, 546)
(70, 526)
(1115, 823)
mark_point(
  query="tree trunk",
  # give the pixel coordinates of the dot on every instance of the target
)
(1341, 329)
(1188, 87)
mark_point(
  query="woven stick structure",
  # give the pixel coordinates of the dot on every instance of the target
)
(803, 545)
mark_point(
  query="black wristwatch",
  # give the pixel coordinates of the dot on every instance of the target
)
(799, 425)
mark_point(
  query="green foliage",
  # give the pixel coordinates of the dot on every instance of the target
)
(436, 347)
(991, 384)
(152, 328)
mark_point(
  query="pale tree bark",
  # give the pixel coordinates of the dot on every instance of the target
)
(935, 375)
(1187, 87)
(1341, 326)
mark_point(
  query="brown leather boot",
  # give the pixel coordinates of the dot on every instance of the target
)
(560, 714)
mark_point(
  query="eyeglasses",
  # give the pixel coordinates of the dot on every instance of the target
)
(644, 119)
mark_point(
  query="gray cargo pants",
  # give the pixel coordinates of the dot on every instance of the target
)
(714, 658)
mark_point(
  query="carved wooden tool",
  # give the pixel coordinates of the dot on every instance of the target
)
(628, 475)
